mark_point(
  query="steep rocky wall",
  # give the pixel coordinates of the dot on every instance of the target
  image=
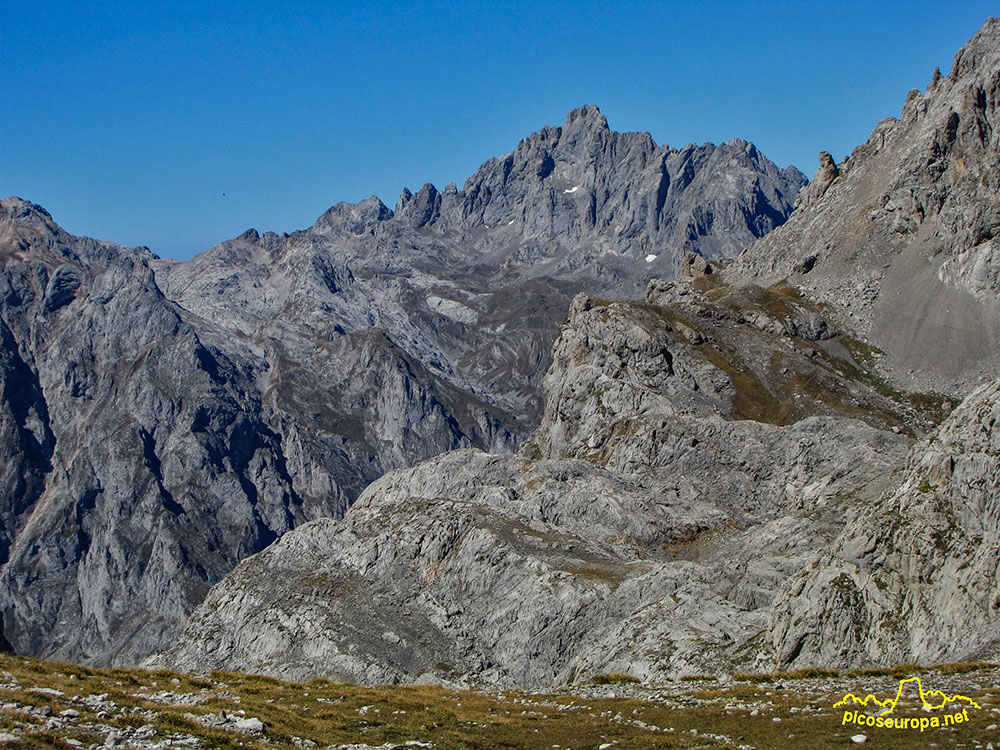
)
(163, 420)
(720, 479)
(900, 237)
(914, 576)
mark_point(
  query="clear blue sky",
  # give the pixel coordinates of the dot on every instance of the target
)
(178, 125)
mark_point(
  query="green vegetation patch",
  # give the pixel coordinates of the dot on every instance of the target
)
(751, 399)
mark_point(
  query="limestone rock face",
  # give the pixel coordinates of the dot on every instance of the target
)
(738, 472)
(914, 577)
(163, 420)
(650, 540)
(901, 236)
(669, 535)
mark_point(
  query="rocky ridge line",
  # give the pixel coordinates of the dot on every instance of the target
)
(163, 420)
(681, 508)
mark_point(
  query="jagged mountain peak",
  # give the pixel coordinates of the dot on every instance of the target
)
(355, 217)
(583, 138)
(16, 205)
(743, 144)
(980, 50)
(588, 115)
(420, 209)
(582, 199)
(29, 233)
(17, 211)
(579, 201)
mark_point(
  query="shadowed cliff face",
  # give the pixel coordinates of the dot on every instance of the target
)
(144, 464)
(163, 420)
(734, 474)
(901, 236)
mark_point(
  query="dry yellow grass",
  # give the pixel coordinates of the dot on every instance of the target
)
(162, 706)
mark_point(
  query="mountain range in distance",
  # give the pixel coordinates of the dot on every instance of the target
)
(783, 460)
(164, 420)
(355, 452)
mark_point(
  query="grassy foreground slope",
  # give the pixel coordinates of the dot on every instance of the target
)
(55, 705)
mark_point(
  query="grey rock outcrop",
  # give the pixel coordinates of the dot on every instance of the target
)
(914, 577)
(820, 182)
(638, 529)
(734, 474)
(163, 420)
(900, 237)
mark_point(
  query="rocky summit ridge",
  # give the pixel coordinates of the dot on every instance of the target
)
(160, 421)
(786, 460)
(585, 202)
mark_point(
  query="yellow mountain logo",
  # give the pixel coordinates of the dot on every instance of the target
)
(931, 700)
